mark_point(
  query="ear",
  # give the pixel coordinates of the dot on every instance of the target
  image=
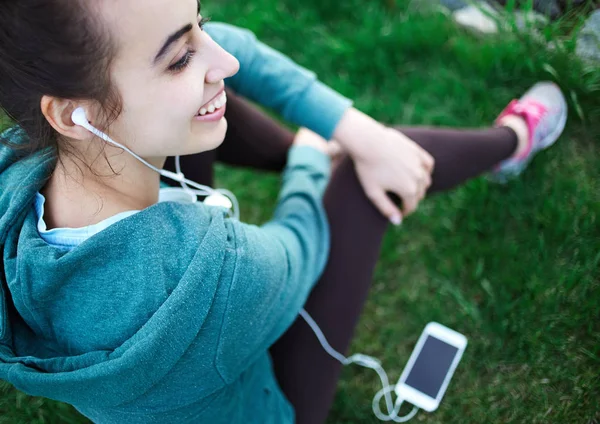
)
(58, 113)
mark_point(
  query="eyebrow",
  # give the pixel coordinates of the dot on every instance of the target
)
(172, 39)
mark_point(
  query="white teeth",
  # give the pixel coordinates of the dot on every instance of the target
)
(216, 104)
(222, 100)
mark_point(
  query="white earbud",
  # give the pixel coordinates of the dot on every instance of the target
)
(218, 197)
(79, 118)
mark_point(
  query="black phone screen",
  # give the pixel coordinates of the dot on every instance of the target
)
(432, 365)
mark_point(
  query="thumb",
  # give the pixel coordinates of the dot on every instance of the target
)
(385, 205)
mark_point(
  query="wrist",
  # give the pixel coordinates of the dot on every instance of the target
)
(354, 130)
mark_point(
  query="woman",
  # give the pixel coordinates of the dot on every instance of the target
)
(134, 306)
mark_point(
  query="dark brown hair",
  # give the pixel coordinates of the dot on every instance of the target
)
(55, 48)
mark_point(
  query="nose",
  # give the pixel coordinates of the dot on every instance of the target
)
(223, 65)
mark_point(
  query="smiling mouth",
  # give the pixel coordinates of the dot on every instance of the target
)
(214, 105)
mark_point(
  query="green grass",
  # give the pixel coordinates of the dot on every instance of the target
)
(514, 267)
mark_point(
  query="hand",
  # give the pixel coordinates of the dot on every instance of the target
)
(305, 137)
(385, 161)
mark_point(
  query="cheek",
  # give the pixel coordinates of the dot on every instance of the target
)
(176, 103)
(157, 112)
(182, 100)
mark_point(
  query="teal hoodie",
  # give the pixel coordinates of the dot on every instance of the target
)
(167, 315)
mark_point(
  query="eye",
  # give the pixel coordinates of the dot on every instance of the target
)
(187, 57)
(183, 62)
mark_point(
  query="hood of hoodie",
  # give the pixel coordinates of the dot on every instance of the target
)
(45, 300)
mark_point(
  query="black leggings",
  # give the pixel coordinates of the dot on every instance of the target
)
(306, 373)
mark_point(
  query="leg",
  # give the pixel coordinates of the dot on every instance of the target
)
(462, 154)
(256, 140)
(306, 373)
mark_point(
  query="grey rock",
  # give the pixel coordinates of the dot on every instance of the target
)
(478, 17)
(588, 42)
(528, 20)
(454, 5)
(548, 7)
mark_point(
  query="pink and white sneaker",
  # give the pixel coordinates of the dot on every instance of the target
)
(544, 109)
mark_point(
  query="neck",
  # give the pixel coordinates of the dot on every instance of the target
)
(79, 196)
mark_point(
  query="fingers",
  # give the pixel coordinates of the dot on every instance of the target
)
(334, 149)
(411, 202)
(306, 137)
(424, 178)
(428, 162)
(385, 205)
(416, 192)
(425, 182)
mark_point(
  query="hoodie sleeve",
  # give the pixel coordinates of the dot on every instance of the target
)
(277, 264)
(275, 81)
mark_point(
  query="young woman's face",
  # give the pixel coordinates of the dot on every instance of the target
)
(166, 70)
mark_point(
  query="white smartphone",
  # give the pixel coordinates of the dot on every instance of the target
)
(431, 366)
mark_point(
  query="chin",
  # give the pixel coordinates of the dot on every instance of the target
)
(210, 140)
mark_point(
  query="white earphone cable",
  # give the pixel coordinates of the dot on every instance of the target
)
(368, 362)
(78, 116)
(224, 192)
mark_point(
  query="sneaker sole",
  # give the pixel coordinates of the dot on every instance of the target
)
(551, 138)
